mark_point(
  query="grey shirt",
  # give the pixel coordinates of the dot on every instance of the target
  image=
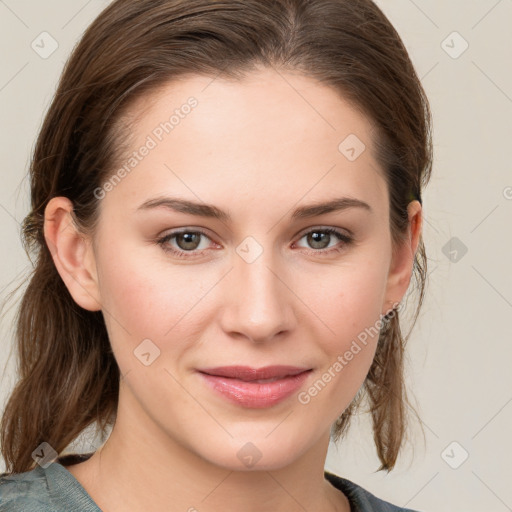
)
(55, 489)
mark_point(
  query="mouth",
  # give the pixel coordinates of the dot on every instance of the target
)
(259, 375)
(255, 387)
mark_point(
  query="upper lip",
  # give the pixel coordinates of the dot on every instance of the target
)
(247, 373)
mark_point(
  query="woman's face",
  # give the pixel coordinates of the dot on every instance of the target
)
(256, 280)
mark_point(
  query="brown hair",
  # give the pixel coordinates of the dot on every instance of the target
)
(69, 378)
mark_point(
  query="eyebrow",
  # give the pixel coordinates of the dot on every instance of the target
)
(207, 210)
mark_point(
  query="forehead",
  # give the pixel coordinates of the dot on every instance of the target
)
(264, 99)
(270, 130)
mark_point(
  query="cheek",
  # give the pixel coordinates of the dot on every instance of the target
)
(349, 304)
(130, 295)
(144, 301)
(348, 298)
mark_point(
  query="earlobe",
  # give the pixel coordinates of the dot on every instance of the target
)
(402, 263)
(72, 253)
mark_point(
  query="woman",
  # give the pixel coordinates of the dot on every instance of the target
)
(226, 214)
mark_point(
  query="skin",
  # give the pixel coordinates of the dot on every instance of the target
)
(256, 149)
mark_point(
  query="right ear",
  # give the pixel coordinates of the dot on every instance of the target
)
(72, 253)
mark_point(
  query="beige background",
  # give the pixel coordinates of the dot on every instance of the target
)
(460, 351)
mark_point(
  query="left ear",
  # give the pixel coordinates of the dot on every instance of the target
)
(402, 262)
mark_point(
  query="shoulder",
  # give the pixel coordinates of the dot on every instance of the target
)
(360, 499)
(50, 489)
(24, 491)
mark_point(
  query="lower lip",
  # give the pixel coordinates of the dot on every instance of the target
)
(253, 394)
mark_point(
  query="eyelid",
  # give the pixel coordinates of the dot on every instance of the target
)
(342, 231)
(187, 229)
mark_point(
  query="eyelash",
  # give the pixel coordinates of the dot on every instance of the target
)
(346, 239)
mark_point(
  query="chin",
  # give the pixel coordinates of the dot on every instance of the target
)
(260, 454)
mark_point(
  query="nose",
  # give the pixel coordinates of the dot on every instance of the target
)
(258, 304)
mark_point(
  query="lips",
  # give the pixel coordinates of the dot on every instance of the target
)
(249, 374)
(255, 388)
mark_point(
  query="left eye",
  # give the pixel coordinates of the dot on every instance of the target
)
(320, 238)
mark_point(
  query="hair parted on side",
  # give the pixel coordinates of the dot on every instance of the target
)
(68, 377)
